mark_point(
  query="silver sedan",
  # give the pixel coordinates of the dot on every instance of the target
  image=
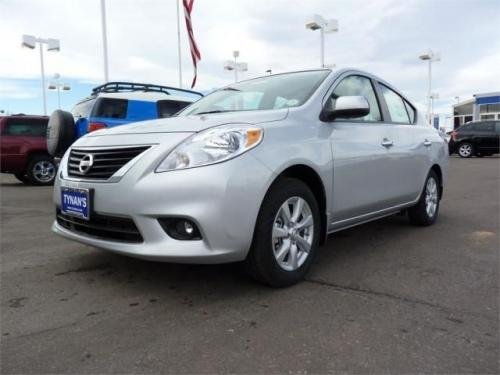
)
(260, 171)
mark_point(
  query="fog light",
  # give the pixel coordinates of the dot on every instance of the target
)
(188, 228)
(180, 228)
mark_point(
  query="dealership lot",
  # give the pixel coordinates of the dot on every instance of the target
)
(382, 297)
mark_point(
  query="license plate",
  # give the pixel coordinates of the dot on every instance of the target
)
(76, 202)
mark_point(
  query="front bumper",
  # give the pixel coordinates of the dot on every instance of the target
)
(222, 199)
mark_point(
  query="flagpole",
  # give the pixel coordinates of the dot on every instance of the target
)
(179, 45)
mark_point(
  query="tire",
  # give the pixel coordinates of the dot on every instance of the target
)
(465, 150)
(422, 213)
(21, 177)
(41, 170)
(274, 232)
(61, 132)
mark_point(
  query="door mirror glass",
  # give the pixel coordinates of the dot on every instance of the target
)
(347, 107)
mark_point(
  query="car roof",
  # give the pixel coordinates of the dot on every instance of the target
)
(145, 96)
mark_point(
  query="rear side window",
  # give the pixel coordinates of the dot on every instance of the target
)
(83, 109)
(411, 112)
(167, 108)
(497, 127)
(110, 108)
(26, 127)
(484, 126)
(358, 86)
(396, 105)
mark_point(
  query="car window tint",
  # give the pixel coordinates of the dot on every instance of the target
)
(411, 111)
(396, 106)
(167, 108)
(497, 127)
(110, 108)
(358, 86)
(484, 126)
(26, 127)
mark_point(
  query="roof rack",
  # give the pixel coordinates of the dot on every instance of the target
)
(132, 86)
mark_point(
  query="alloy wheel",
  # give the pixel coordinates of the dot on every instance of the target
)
(293, 232)
(44, 171)
(465, 150)
(431, 197)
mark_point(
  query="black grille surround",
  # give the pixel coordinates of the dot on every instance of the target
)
(111, 228)
(105, 161)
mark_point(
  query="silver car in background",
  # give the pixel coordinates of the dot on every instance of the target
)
(260, 171)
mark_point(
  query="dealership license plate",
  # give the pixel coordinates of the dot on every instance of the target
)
(76, 202)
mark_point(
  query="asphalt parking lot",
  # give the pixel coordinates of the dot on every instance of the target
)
(382, 297)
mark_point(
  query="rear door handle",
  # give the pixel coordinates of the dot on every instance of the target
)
(427, 143)
(387, 143)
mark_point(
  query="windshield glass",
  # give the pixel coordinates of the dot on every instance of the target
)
(272, 92)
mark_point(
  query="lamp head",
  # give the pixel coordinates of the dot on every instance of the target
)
(29, 41)
(53, 45)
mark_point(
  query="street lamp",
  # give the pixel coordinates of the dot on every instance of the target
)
(430, 56)
(235, 65)
(56, 85)
(324, 26)
(457, 98)
(30, 41)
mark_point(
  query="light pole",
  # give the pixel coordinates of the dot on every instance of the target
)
(235, 65)
(30, 41)
(429, 56)
(104, 41)
(56, 85)
(457, 98)
(324, 26)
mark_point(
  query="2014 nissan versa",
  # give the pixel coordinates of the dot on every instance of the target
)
(259, 171)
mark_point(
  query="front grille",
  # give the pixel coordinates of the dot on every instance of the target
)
(105, 161)
(102, 226)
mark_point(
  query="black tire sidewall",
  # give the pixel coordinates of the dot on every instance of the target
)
(61, 132)
(418, 213)
(265, 267)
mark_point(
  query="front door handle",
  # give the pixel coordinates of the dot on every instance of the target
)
(387, 143)
(427, 143)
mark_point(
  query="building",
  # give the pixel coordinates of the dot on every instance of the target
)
(480, 107)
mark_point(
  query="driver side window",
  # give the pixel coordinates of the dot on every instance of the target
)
(358, 86)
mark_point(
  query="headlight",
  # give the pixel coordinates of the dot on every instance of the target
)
(212, 146)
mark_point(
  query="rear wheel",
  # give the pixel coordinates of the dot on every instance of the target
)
(286, 234)
(465, 150)
(41, 170)
(425, 212)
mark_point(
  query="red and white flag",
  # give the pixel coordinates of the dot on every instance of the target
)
(195, 52)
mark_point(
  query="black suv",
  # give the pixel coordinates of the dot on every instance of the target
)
(476, 138)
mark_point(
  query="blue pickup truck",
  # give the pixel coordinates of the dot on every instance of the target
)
(114, 104)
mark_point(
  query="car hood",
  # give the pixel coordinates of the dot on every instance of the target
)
(191, 124)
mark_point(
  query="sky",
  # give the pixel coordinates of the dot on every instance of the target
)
(383, 37)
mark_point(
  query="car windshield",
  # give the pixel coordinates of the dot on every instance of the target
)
(271, 92)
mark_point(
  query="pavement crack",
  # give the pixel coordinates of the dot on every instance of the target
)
(97, 267)
(379, 294)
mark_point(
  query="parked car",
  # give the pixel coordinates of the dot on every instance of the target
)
(114, 104)
(476, 138)
(24, 149)
(259, 171)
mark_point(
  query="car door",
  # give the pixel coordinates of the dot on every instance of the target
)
(485, 138)
(363, 177)
(411, 147)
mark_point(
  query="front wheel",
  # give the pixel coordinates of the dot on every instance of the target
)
(425, 212)
(286, 235)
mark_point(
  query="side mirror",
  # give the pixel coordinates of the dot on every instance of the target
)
(346, 107)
